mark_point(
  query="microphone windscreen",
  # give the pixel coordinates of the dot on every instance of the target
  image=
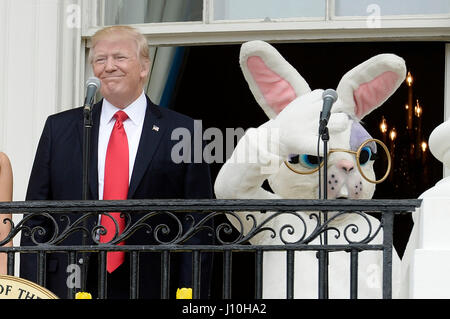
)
(330, 93)
(93, 81)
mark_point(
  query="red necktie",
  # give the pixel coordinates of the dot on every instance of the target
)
(115, 185)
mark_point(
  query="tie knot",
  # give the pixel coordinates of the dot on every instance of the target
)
(120, 116)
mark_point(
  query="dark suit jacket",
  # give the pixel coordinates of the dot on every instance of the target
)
(57, 175)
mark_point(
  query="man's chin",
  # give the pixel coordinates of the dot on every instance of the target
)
(112, 78)
(110, 83)
(111, 89)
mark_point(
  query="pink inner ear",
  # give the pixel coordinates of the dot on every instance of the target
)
(371, 94)
(276, 91)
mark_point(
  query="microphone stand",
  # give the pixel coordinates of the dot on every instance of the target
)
(87, 114)
(323, 254)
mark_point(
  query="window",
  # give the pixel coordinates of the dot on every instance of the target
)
(151, 11)
(389, 7)
(267, 9)
(198, 22)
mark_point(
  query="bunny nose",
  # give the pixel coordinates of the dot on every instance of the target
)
(345, 165)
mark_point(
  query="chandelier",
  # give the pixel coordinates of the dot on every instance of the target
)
(406, 143)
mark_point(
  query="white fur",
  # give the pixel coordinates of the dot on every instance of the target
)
(295, 131)
(365, 72)
(273, 59)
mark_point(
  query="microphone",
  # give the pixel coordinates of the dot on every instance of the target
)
(92, 85)
(329, 96)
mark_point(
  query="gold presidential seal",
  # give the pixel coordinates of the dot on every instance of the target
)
(18, 288)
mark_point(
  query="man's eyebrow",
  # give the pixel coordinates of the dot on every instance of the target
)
(111, 53)
(97, 55)
(119, 53)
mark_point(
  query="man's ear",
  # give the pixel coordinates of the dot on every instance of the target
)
(145, 69)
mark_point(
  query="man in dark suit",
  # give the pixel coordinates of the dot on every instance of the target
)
(131, 158)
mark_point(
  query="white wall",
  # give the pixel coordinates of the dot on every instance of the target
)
(38, 69)
(37, 76)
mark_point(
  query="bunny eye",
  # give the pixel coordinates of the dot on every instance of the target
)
(365, 155)
(310, 161)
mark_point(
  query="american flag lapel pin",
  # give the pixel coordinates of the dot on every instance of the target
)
(155, 128)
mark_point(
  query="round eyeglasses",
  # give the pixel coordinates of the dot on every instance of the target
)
(368, 151)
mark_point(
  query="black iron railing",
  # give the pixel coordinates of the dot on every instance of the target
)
(68, 218)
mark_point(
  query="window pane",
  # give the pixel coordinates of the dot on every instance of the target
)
(148, 11)
(391, 7)
(261, 9)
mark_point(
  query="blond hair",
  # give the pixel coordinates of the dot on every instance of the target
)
(125, 32)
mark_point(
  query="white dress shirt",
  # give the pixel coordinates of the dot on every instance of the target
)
(133, 128)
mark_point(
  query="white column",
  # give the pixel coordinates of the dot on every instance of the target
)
(39, 53)
(40, 75)
(429, 275)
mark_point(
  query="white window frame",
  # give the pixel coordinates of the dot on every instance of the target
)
(435, 27)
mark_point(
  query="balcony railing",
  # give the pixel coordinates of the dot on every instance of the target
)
(68, 218)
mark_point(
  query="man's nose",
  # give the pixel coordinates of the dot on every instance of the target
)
(110, 65)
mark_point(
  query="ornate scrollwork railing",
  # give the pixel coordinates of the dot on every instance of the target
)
(63, 226)
(229, 224)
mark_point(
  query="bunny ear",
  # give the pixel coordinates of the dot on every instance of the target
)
(370, 84)
(273, 81)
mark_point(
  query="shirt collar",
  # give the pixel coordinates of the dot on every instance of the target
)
(135, 111)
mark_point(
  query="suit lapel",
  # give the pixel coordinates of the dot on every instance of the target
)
(152, 132)
(93, 165)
